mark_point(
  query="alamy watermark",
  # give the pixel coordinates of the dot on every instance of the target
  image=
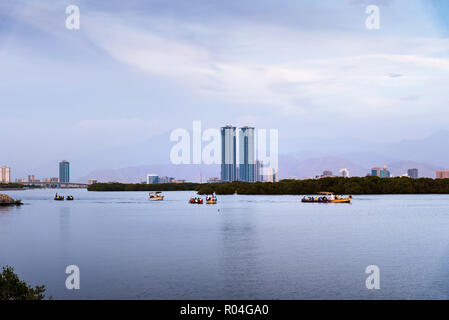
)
(205, 147)
(72, 22)
(373, 280)
(73, 280)
(372, 22)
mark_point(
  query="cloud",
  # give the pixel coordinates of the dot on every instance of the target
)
(411, 98)
(316, 67)
(355, 76)
(112, 132)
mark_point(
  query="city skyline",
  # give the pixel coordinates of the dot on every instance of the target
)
(241, 143)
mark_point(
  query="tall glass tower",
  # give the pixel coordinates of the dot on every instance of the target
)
(228, 154)
(64, 171)
(247, 154)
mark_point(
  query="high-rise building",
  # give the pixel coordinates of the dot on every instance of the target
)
(247, 154)
(228, 154)
(442, 174)
(64, 171)
(152, 179)
(413, 173)
(5, 175)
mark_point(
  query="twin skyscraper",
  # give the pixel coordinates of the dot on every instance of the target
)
(249, 168)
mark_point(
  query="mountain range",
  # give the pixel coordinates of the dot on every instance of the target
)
(303, 158)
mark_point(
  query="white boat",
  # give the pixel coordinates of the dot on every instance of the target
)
(157, 196)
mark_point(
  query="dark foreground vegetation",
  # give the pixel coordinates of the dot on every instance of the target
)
(12, 288)
(355, 185)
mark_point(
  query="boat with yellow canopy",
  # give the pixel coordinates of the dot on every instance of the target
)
(211, 199)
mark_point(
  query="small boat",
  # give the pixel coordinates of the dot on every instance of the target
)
(196, 200)
(59, 198)
(69, 198)
(326, 197)
(211, 199)
(156, 196)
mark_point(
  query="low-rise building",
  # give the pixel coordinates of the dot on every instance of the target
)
(442, 174)
(380, 172)
(166, 179)
(413, 173)
(344, 172)
(273, 175)
(152, 178)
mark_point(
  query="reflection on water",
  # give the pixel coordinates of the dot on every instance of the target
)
(244, 247)
(64, 230)
(239, 252)
(5, 209)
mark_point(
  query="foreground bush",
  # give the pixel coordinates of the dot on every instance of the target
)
(12, 288)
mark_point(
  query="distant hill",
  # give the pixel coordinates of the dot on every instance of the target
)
(133, 162)
(302, 168)
(432, 149)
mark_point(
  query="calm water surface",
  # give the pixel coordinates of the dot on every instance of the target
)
(245, 247)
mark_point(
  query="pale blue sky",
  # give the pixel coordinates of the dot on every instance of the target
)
(137, 69)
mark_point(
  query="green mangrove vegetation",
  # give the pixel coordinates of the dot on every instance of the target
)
(143, 187)
(338, 185)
